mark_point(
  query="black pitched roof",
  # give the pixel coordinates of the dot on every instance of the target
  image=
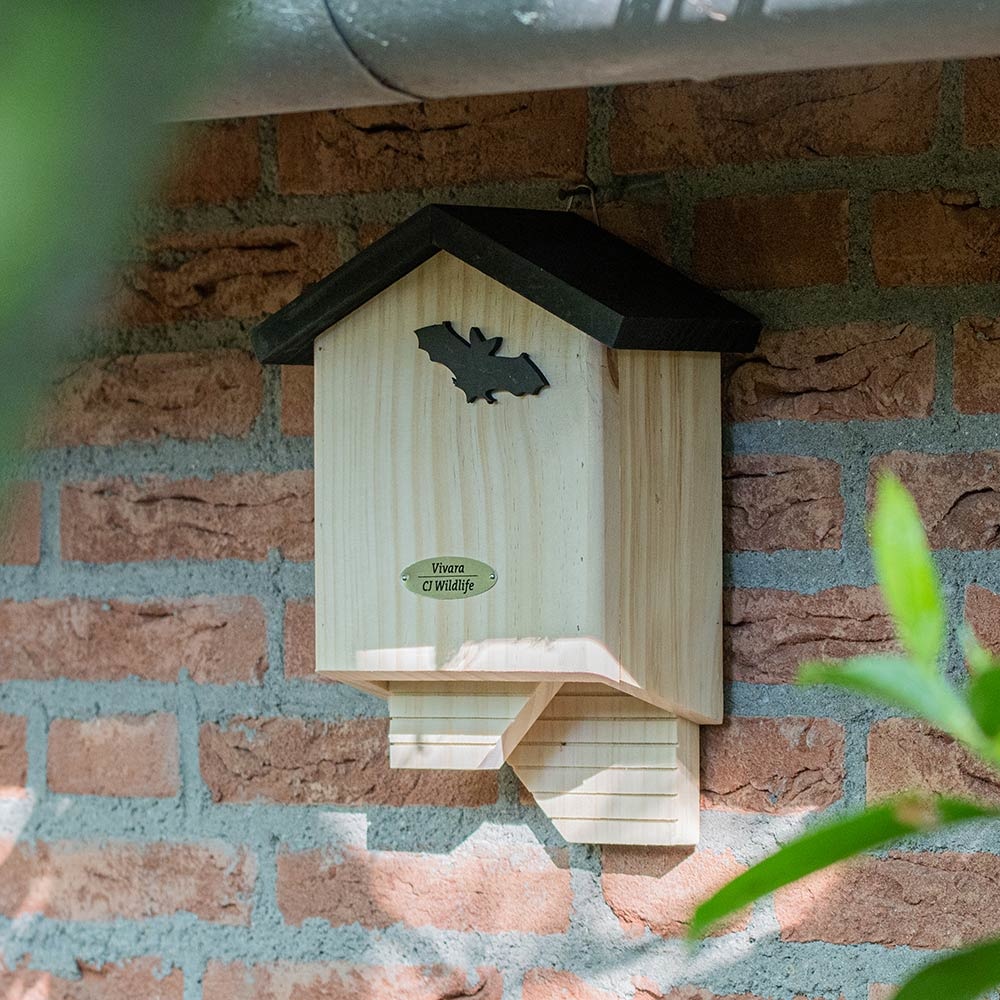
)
(577, 271)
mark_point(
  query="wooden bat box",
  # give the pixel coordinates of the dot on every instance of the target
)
(518, 506)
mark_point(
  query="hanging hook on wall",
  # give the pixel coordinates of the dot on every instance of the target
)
(571, 194)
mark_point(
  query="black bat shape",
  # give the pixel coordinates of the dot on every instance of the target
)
(478, 371)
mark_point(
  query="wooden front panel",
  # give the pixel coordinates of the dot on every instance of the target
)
(407, 469)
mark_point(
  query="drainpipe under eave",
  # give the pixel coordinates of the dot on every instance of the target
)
(297, 55)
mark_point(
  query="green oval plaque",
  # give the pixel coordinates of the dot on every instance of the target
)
(448, 578)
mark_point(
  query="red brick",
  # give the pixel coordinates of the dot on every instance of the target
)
(773, 502)
(982, 116)
(223, 274)
(142, 977)
(658, 888)
(548, 984)
(977, 366)
(191, 395)
(214, 162)
(521, 889)
(228, 517)
(21, 525)
(958, 495)
(65, 881)
(647, 989)
(300, 642)
(498, 137)
(859, 371)
(340, 981)
(768, 633)
(115, 755)
(982, 612)
(369, 232)
(772, 765)
(297, 400)
(934, 238)
(858, 111)
(906, 754)
(13, 755)
(772, 241)
(922, 900)
(217, 640)
(304, 762)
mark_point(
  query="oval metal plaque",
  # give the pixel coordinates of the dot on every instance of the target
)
(448, 578)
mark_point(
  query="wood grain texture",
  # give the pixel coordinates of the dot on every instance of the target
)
(598, 503)
(611, 769)
(464, 725)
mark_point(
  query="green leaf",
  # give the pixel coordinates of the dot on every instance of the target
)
(906, 572)
(984, 699)
(843, 838)
(965, 975)
(899, 682)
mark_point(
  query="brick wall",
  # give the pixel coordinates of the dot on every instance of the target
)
(186, 812)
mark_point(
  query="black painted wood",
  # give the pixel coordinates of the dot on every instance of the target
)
(577, 271)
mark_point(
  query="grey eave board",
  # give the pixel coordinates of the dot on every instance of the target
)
(575, 270)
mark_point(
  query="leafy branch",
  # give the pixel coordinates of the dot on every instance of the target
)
(914, 682)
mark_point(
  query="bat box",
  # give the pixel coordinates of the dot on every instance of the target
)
(518, 506)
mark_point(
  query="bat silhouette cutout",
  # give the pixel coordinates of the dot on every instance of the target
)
(478, 371)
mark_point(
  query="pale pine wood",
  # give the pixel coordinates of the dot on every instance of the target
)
(406, 469)
(597, 502)
(461, 725)
(611, 769)
(670, 559)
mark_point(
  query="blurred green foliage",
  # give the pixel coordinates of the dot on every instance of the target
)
(85, 89)
(916, 683)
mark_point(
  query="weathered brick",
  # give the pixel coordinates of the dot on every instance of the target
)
(340, 981)
(772, 241)
(923, 900)
(223, 274)
(300, 642)
(658, 888)
(772, 765)
(301, 762)
(934, 238)
(857, 111)
(115, 755)
(21, 525)
(142, 977)
(497, 137)
(297, 396)
(66, 881)
(519, 889)
(191, 395)
(228, 517)
(768, 633)
(976, 386)
(218, 640)
(773, 502)
(13, 755)
(982, 612)
(906, 754)
(214, 162)
(858, 371)
(982, 116)
(958, 495)
(647, 989)
(549, 984)
(881, 991)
